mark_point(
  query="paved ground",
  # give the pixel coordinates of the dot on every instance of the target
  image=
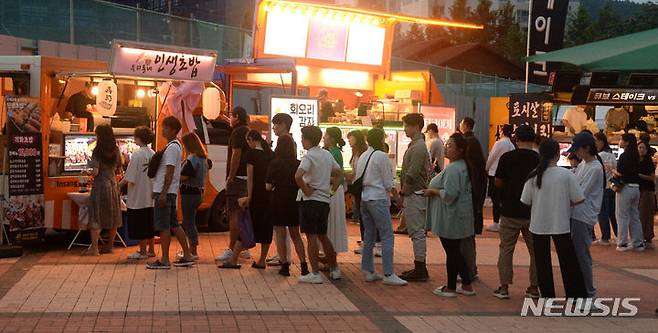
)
(54, 290)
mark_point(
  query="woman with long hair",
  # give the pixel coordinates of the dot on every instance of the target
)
(357, 142)
(258, 158)
(283, 208)
(450, 215)
(551, 191)
(628, 198)
(591, 176)
(193, 180)
(647, 189)
(140, 195)
(105, 199)
(607, 219)
(336, 229)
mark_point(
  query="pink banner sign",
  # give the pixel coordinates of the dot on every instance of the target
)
(327, 40)
(443, 117)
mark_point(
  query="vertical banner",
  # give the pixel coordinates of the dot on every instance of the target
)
(24, 209)
(533, 110)
(547, 25)
(304, 112)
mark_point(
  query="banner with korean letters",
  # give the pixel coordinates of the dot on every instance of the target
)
(547, 25)
(304, 112)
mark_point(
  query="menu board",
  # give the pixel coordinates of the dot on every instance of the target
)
(25, 208)
(533, 110)
(304, 112)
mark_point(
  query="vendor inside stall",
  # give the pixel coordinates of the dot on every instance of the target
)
(81, 104)
(616, 119)
(575, 119)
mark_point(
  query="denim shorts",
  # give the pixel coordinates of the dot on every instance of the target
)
(165, 218)
(313, 217)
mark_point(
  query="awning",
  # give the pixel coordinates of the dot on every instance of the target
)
(638, 51)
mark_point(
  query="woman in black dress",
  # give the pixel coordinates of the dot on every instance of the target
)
(258, 159)
(283, 209)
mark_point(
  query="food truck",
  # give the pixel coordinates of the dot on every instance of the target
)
(341, 57)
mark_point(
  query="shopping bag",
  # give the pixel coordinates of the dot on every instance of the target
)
(246, 229)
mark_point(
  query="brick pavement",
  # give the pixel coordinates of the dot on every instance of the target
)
(60, 291)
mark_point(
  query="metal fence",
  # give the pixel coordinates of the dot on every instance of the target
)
(96, 23)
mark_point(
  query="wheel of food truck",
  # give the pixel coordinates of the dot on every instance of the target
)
(218, 214)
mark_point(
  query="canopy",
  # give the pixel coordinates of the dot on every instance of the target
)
(637, 51)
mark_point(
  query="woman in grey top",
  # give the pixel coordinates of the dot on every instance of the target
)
(450, 215)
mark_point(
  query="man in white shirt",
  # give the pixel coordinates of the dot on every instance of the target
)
(165, 190)
(574, 119)
(503, 145)
(318, 177)
(377, 180)
(435, 147)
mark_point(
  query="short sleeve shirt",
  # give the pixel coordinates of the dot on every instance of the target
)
(140, 186)
(238, 140)
(198, 167)
(171, 157)
(551, 204)
(513, 169)
(318, 165)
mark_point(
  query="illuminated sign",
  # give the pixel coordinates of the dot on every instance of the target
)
(443, 117)
(622, 96)
(304, 112)
(531, 109)
(327, 40)
(134, 59)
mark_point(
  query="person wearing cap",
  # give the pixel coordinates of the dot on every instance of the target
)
(503, 145)
(591, 177)
(435, 147)
(326, 107)
(511, 173)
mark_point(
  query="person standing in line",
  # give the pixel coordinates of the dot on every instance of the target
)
(550, 192)
(647, 189)
(236, 176)
(606, 217)
(499, 148)
(435, 147)
(477, 168)
(165, 191)
(591, 176)
(628, 199)
(105, 199)
(375, 208)
(450, 215)
(140, 195)
(281, 123)
(414, 178)
(337, 228)
(511, 174)
(193, 180)
(318, 177)
(283, 209)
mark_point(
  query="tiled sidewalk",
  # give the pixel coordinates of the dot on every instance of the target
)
(60, 291)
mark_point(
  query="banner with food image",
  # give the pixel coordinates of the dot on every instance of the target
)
(24, 209)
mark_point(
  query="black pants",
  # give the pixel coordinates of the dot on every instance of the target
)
(572, 277)
(455, 262)
(494, 194)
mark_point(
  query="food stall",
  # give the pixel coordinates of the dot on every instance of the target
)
(339, 55)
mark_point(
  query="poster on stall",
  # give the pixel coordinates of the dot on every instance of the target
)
(304, 112)
(533, 110)
(24, 210)
(443, 117)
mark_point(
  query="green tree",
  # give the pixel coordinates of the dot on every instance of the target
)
(434, 31)
(509, 40)
(609, 23)
(579, 29)
(484, 16)
(416, 33)
(459, 11)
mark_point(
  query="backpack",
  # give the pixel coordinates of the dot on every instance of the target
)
(156, 159)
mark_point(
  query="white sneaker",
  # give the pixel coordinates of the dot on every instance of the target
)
(181, 255)
(638, 248)
(335, 274)
(494, 227)
(137, 256)
(372, 277)
(394, 280)
(314, 278)
(602, 242)
(465, 292)
(378, 250)
(625, 248)
(228, 253)
(245, 254)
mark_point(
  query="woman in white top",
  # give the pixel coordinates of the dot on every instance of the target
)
(551, 191)
(140, 195)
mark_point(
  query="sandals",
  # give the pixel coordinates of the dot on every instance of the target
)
(257, 266)
(229, 265)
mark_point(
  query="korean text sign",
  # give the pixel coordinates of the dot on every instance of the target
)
(304, 112)
(546, 34)
(143, 62)
(623, 96)
(443, 117)
(533, 110)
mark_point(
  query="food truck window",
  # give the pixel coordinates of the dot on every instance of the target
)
(79, 147)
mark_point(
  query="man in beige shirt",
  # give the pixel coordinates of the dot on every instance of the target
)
(616, 119)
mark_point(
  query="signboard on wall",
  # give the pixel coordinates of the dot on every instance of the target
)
(443, 117)
(533, 110)
(622, 96)
(24, 210)
(546, 34)
(304, 112)
(154, 61)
